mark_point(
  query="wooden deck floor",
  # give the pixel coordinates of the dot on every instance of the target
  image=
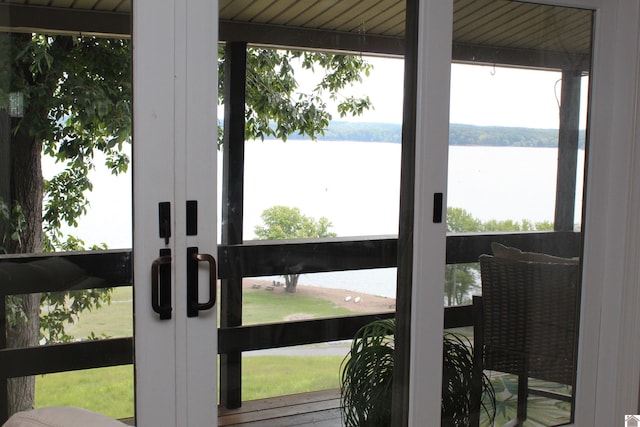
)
(318, 409)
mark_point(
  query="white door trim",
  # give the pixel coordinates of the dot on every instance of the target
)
(429, 247)
(200, 184)
(607, 366)
(153, 130)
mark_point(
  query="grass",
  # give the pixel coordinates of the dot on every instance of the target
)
(114, 320)
(260, 306)
(110, 390)
(268, 376)
(105, 390)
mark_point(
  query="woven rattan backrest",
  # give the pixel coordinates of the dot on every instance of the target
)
(530, 317)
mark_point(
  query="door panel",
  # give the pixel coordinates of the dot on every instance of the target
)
(201, 186)
(52, 153)
(175, 154)
(516, 167)
(432, 70)
(153, 179)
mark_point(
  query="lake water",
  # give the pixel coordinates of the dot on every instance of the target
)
(356, 186)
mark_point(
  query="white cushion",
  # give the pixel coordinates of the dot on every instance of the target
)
(60, 416)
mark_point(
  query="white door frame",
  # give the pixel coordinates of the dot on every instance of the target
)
(429, 246)
(153, 130)
(609, 351)
(175, 98)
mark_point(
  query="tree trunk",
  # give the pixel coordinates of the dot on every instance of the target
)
(26, 191)
(291, 282)
(450, 284)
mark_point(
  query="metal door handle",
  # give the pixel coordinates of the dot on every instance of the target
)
(161, 284)
(193, 304)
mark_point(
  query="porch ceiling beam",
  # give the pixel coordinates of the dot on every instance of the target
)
(277, 35)
(274, 35)
(23, 18)
(519, 57)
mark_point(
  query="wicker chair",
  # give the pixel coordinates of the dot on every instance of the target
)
(529, 317)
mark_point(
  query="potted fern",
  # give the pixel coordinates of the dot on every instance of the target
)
(367, 376)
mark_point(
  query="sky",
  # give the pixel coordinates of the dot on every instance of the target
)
(480, 95)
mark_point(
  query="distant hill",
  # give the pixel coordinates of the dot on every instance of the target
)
(496, 136)
(469, 135)
(357, 131)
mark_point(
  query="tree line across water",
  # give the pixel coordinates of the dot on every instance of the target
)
(459, 134)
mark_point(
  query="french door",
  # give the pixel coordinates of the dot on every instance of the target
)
(175, 216)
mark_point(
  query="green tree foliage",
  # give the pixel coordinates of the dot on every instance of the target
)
(283, 222)
(511, 225)
(275, 106)
(76, 94)
(461, 279)
(13, 223)
(460, 220)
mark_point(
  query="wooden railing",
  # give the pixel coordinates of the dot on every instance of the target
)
(110, 268)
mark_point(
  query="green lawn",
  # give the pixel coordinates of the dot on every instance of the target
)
(114, 320)
(259, 306)
(105, 390)
(110, 390)
(268, 376)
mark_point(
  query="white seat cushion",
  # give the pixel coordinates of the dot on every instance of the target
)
(60, 416)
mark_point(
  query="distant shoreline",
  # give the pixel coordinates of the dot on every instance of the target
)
(459, 135)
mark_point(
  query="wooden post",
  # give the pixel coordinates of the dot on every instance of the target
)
(478, 366)
(5, 194)
(235, 76)
(402, 356)
(567, 151)
(5, 164)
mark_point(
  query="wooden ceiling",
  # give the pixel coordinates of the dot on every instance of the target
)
(489, 31)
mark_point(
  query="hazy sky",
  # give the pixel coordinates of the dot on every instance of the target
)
(480, 95)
